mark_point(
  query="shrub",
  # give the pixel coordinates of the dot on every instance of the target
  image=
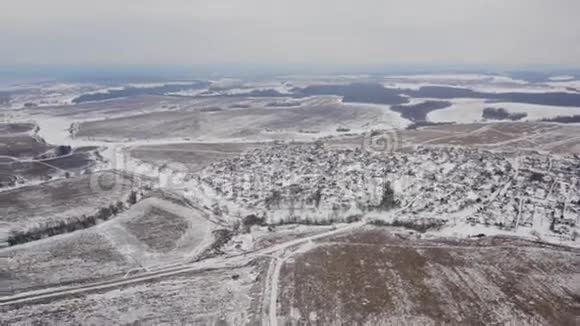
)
(252, 219)
(63, 150)
(421, 225)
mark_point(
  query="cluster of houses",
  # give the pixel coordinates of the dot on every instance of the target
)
(481, 187)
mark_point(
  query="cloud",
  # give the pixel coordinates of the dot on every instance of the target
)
(297, 31)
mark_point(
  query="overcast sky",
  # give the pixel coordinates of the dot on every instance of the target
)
(289, 31)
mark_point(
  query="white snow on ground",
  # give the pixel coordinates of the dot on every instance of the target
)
(235, 87)
(189, 92)
(48, 93)
(413, 85)
(563, 84)
(54, 129)
(493, 84)
(247, 89)
(136, 85)
(391, 120)
(441, 76)
(459, 77)
(418, 100)
(153, 85)
(106, 90)
(278, 86)
(196, 238)
(319, 82)
(47, 87)
(305, 81)
(52, 99)
(508, 88)
(275, 284)
(482, 83)
(463, 229)
(471, 110)
(461, 111)
(486, 87)
(561, 78)
(227, 82)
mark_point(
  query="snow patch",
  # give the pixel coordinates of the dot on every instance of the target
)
(471, 110)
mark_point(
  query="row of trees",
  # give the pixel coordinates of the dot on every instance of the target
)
(52, 228)
(564, 119)
(420, 225)
(502, 114)
(319, 221)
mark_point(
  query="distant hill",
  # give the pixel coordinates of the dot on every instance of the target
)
(135, 91)
(378, 94)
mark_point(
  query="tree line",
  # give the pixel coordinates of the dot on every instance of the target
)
(53, 228)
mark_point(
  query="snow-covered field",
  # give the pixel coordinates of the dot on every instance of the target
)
(482, 83)
(222, 231)
(154, 232)
(159, 232)
(197, 298)
(63, 200)
(471, 110)
(376, 277)
(47, 93)
(251, 124)
(564, 84)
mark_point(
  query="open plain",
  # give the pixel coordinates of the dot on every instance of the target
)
(353, 200)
